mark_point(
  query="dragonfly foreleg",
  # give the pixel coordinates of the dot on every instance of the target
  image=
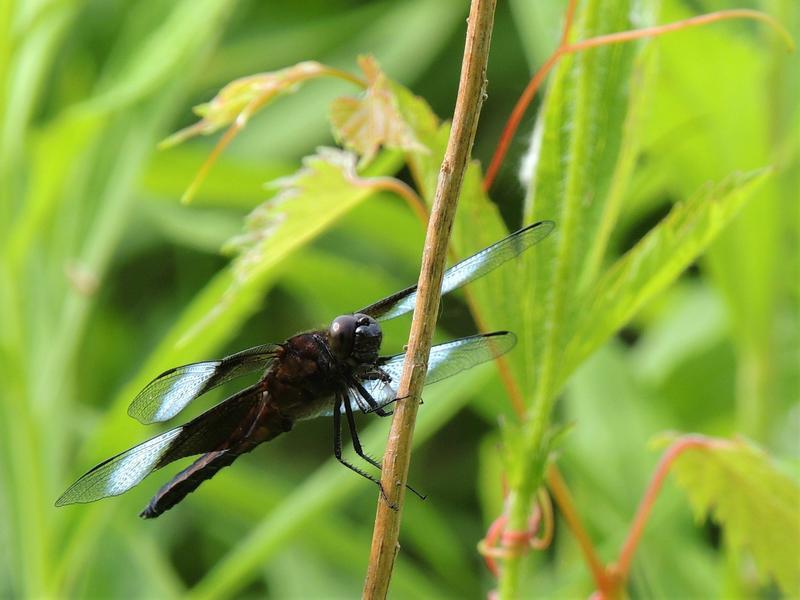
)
(337, 445)
(377, 374)
(351, 421)
(373, 406)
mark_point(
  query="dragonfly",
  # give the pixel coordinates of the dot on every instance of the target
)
(331, 372)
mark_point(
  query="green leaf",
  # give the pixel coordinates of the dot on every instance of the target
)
(493, 300)
(697, 135)
(574, 151)
(365, 124)
(427, 25)
(241, 98)
(736, 484)
(655, 262)
(584, 110)
(324, 189)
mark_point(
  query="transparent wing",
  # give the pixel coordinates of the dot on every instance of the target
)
(211, 431)
(169, 393)
(445, 360)
(467, 270)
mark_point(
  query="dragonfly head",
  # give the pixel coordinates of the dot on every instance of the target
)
(355, 338)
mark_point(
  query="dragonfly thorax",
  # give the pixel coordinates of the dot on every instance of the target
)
(355, 338)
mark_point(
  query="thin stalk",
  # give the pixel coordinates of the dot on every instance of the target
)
(689, 442)
(526, 98)
(398, 451)
(513, 390)
(400, 188)
(566, 506)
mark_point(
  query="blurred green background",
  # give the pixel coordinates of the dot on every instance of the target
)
(103, 273)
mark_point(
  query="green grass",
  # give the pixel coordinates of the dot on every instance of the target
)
(670, 166)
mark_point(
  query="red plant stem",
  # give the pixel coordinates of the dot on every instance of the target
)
(722, 15)
(569, 18)
(610, 580)
(516, 117)
(526, 98)
(489, 542)
(622, 567)
(603, 40)
(563, 498)
(400, 188)
(510, 384)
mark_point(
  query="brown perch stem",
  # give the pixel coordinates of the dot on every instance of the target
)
(397, 457)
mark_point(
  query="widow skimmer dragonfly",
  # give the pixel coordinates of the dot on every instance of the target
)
(328, 372)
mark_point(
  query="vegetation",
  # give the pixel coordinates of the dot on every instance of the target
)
(665, 301)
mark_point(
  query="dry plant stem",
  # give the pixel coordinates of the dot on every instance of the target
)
(398, 450)
(604, 40)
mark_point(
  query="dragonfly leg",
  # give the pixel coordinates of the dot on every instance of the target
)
(373, 406)
(337, 446)
(377, 373)
(351, 422)
(362, 406)
(392, 401)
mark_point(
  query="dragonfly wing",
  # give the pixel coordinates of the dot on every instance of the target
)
(467, 270)
(445, 360)
(169, 393)
(211, 431)
(451, 358)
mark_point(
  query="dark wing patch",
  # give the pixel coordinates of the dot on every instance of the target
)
(208, 432)
(169, 393)
(467, 270)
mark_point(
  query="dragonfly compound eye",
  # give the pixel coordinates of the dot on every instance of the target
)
(342, 335)
(368, 337)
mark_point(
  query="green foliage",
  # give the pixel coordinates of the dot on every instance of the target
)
(740, 488)
(241, 98)
(324, 189)
(576, 308)
(365, 124)
(106, 280)
(661, 256)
